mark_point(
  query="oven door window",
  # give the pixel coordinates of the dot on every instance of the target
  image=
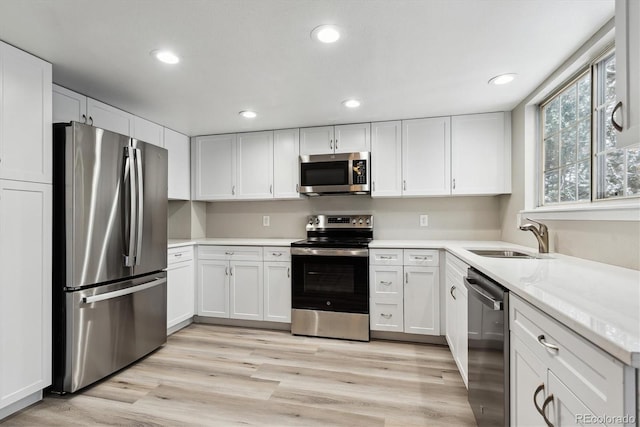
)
(331, 283)
(324, 173)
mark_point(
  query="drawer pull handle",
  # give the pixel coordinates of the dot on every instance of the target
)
(228, 253)
(453, 288)
(421, 257)
(288, 272)
(383, 282)
(177, 255)
(535, 398)
(546, 403)
(386, 316)
(385, 257)
(276, 253)
(551, 347)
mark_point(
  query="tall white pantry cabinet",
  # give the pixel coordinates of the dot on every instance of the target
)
(25, 228)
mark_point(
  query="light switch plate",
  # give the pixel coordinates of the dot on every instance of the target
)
(265, 220)
(424, 220)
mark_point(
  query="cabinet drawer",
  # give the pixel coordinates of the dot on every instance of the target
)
(386, 315)
(595, 376)
(183, 253)
(277, 253)
(425, 257)
(231, 253)
(385, 257)
(385, 281)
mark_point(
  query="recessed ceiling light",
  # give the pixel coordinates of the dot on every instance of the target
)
(326, 33)
(351, 103)
(248, 114)
(165, 56)
(502, 79)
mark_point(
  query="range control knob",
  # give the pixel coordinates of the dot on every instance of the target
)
(353, 222)
(317, 221)
(368, 221)
(310, 221)
(360, 221)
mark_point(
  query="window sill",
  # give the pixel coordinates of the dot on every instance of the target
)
(624, 210)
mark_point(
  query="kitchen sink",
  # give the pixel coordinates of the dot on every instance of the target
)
(501, 253)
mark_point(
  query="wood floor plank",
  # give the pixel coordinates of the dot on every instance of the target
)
(208, 375)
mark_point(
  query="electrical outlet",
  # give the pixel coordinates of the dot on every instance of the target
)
(424, 220)
(265, 220)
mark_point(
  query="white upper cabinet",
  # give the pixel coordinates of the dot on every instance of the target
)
(177, 145)
(68, 106)
(107, 117)
(352, 138)
(426, 148)
(386, 159)
(335, 139)
(25, 116)
(214, 167)
(147, 131)
(254, 165)
(481, 154)
(286, 169)
(318, 140)
(628, 70)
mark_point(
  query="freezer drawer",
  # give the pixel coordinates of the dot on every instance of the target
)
(108, 327)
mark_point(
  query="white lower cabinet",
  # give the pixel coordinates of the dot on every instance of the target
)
(404, 291)
(560, 379)
(456, 328)
(180, 285)
(244, 282)
(25, 290)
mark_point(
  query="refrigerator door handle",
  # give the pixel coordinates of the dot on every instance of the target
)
(140, 195)
(128, 172)
(122, 292)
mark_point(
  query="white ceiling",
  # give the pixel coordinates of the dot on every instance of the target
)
(402, 58)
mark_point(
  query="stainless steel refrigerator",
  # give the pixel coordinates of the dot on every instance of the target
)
(109, 252)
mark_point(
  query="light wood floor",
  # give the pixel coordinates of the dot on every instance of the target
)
(218, 375)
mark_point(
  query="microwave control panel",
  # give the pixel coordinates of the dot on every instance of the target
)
(359, 172)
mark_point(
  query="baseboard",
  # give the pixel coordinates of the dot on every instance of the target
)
(178, 326)
(243, 323)
(20, 404)
(401, 336)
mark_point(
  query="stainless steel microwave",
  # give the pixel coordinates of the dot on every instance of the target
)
(345, 173)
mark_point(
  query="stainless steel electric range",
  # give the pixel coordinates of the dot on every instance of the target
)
(330, 282)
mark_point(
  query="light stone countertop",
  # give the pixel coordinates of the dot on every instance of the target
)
(600, 302)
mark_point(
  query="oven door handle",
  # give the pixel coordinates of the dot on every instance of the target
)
(348, 252)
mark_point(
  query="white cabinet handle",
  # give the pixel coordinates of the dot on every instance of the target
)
(228, 253)
(336, 144)
(233, 190)
(546, 403)
(453, 288)
(406, 276)
(297, 188)
(551, 347)
(231, 271)
(386, 316)
(271, 189)
(226, 271)
(276, 253)
(91, 119)
(288, 272)
(454, 183)
(331, 144)
(615, 124)
(373, 186)
(84, 118)
(382, 282)
(421, 257)
(404, 185)
(177, 255)
(535, 398)
(385, 257)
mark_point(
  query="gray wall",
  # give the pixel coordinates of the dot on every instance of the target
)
(611, 242)
(468, 218)
(186, 219)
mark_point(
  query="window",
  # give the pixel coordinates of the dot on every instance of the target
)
(572, 136)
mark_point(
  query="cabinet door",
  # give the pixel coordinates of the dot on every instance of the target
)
(107, 117)
(68, 106)
(246, 290)
(179, 171)
(318, 140)
(527, 376)
(25, 116)
(627, 70)
(567, 409)
(426, 154)
(213, 288)
(277, 291)
(214, 167)
(255, 165)
(147, 131)
(385, 282)
(286, 166)
(180, 293)
(462, 328)
(481, 154)
(386, 159)
(352, 138)
(25, 289)
(421, 300)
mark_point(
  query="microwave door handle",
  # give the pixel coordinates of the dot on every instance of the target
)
(128, 178)
(140, 197)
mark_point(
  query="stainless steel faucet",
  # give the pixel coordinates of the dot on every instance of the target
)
(541, 232)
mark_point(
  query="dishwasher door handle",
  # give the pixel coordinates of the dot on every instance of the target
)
(481, 295)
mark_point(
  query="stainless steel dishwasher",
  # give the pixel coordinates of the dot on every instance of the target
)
(488, 341)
